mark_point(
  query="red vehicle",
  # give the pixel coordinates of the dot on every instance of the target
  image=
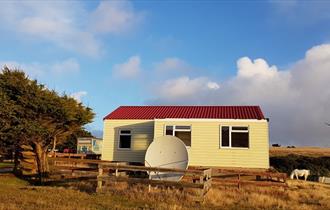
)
(67, 150)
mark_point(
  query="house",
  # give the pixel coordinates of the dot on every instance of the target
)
(89, 145)
(215, 136)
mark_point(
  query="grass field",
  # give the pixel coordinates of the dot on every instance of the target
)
(305, 151)
(18, 194)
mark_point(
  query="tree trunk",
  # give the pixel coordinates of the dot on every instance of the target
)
(42, 161)
(54, 144)
(16, 159)
(45, 159)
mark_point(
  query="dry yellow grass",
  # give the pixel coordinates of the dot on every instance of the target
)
(305, 151)
(299, 195)
(17, 194)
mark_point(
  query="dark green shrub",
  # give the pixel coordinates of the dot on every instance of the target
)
(319, 166)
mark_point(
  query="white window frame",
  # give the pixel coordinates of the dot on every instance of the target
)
(124, 134)
(235, 131)
(175, 129)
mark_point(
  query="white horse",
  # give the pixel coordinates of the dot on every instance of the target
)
(297, 173)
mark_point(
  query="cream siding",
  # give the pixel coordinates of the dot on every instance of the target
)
(205, 144)
(205, 147)
(142, 134)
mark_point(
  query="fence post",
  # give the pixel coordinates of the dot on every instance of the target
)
(116, 171)
(201, 179)
(149, 186)
(239, 180)
(99, 178)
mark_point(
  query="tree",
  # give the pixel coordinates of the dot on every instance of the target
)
(6, 114)
(36, 116)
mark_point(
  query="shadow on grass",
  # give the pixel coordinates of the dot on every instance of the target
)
(83, 184)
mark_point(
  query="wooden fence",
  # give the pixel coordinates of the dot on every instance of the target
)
(104, 172)
(74, 155)
(271, 178)
(324, 179)
(118, 172)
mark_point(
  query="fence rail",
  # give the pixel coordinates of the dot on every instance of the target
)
(75, 155)
(277, 179)
(117, 172)
(198, 178)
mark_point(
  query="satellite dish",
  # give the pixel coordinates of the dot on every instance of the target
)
(167, 152)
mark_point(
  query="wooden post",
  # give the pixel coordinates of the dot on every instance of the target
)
(201, 179)
(239, 180)
(116, 171)
(149, 186)
(99, 181)
(206, 188)
(201, 196)
(117, 174)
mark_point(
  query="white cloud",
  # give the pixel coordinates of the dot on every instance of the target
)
(184, 88)
(67, 66)
(32, 69)
(37, 70)
(55, 22)
(130, 69)
(78, 95)
(114, 17)
(171, 64)
(297, 99)
(213, 85)
(257, 68)
(67, 24)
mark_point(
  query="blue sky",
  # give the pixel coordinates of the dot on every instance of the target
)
(112, 53)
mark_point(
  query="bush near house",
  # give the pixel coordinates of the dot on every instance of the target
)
(319, 166)
(276, 145)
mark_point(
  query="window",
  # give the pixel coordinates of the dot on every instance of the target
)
(225, 136)
(124, 139)
(182, 132)
(84, 149)
(96, 146)
(234, 136)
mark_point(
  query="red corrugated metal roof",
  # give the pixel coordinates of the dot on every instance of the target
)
(194, 112)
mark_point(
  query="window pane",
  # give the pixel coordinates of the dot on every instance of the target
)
(96, 148)
(125, 132)
(240, 128)
(125, 142)
(185, 136)
(240, 140)
(84, 149)
(225, 136)
(169, 130)
(177, 127)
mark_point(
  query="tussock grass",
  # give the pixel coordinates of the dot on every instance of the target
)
(304, 151)
(299, 195)
(17, 194)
